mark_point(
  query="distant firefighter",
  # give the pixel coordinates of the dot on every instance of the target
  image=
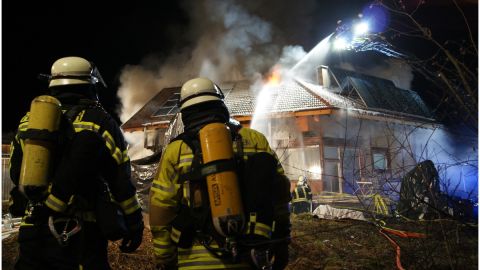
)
(302, 197)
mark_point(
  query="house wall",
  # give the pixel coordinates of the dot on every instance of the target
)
(342, 152)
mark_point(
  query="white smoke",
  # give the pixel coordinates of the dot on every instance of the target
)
(229, 44)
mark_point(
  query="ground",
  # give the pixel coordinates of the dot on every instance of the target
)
(341, 244)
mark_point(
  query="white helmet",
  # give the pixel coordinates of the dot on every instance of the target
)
(197, 91)
(302, 180)
(74, 70)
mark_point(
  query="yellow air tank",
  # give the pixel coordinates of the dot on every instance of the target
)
(44, 118)
(223, 187)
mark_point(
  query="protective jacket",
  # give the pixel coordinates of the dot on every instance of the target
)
(302, 199)
(94, 154)
(167, 193)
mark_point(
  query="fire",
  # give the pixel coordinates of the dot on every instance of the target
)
(274, 77)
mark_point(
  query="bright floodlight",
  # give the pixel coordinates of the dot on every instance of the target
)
(360, 29)
(340, 44)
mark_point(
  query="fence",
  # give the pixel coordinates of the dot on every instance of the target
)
(7, 184)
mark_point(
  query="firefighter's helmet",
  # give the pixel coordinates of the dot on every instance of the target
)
(302, 180)
(74, 70)
(199, 90)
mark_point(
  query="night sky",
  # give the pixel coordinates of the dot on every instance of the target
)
(36, 33)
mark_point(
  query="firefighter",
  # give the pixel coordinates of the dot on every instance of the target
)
(302, 197)
(88, 161)
(194, 240)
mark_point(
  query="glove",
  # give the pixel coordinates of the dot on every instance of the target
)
(135, 226)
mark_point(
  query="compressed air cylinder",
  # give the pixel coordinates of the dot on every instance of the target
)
(223, 187)
(44, 118)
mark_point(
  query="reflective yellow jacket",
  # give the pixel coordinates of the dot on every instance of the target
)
(166, 193)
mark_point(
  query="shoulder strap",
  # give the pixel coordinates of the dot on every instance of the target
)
(71, 113)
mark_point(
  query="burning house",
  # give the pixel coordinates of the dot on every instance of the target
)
(347, 132)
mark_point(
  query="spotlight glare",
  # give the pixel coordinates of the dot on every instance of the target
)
(340, 44)
(360, 29)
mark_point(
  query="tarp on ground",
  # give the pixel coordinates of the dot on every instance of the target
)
(328, 212)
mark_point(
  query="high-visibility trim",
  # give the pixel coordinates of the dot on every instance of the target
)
(81, 126)
(253, 217)
(162, 248)
(197, 263)
(12, 149)
(263, 230)
(55, 203)
(299, 200)
(23, 126)
(115, 152)
(175, 235)
(195, 250)
(25, 118)
(23, 224)
(125, 156)
(185, 159)
(162, 202)
(156, 186)
(118, 155)
(130, 205)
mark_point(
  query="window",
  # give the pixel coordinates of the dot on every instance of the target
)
(330, 152)
(379, 161)
(331, 177)
(301, 161)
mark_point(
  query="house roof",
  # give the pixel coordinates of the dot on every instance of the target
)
(379, 94)
(353, 91)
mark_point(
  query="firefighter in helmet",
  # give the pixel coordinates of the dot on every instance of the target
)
(302, 197)
(86, 168)
(202, 210)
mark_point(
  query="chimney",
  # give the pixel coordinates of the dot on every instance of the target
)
(323, 76)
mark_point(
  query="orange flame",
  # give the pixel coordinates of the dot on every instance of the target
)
(274, 77)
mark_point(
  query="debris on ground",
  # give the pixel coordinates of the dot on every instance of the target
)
(340, 244)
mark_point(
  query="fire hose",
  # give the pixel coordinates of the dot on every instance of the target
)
(403, 234)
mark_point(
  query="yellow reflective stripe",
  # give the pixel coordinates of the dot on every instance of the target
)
(194, 250)
(23, 224)
(163, 202)
(162, 249)
(114, 150)
(207, 263)
(117, 154)
(12, 148)
(263, 230)
(156, 186)
(125, 156)
(175, 235)
(250, 150)
(80, 126)
(25, 117)
(197, 257)
(253, 217)
(130, 205)
(55, 203)
(23, 126)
